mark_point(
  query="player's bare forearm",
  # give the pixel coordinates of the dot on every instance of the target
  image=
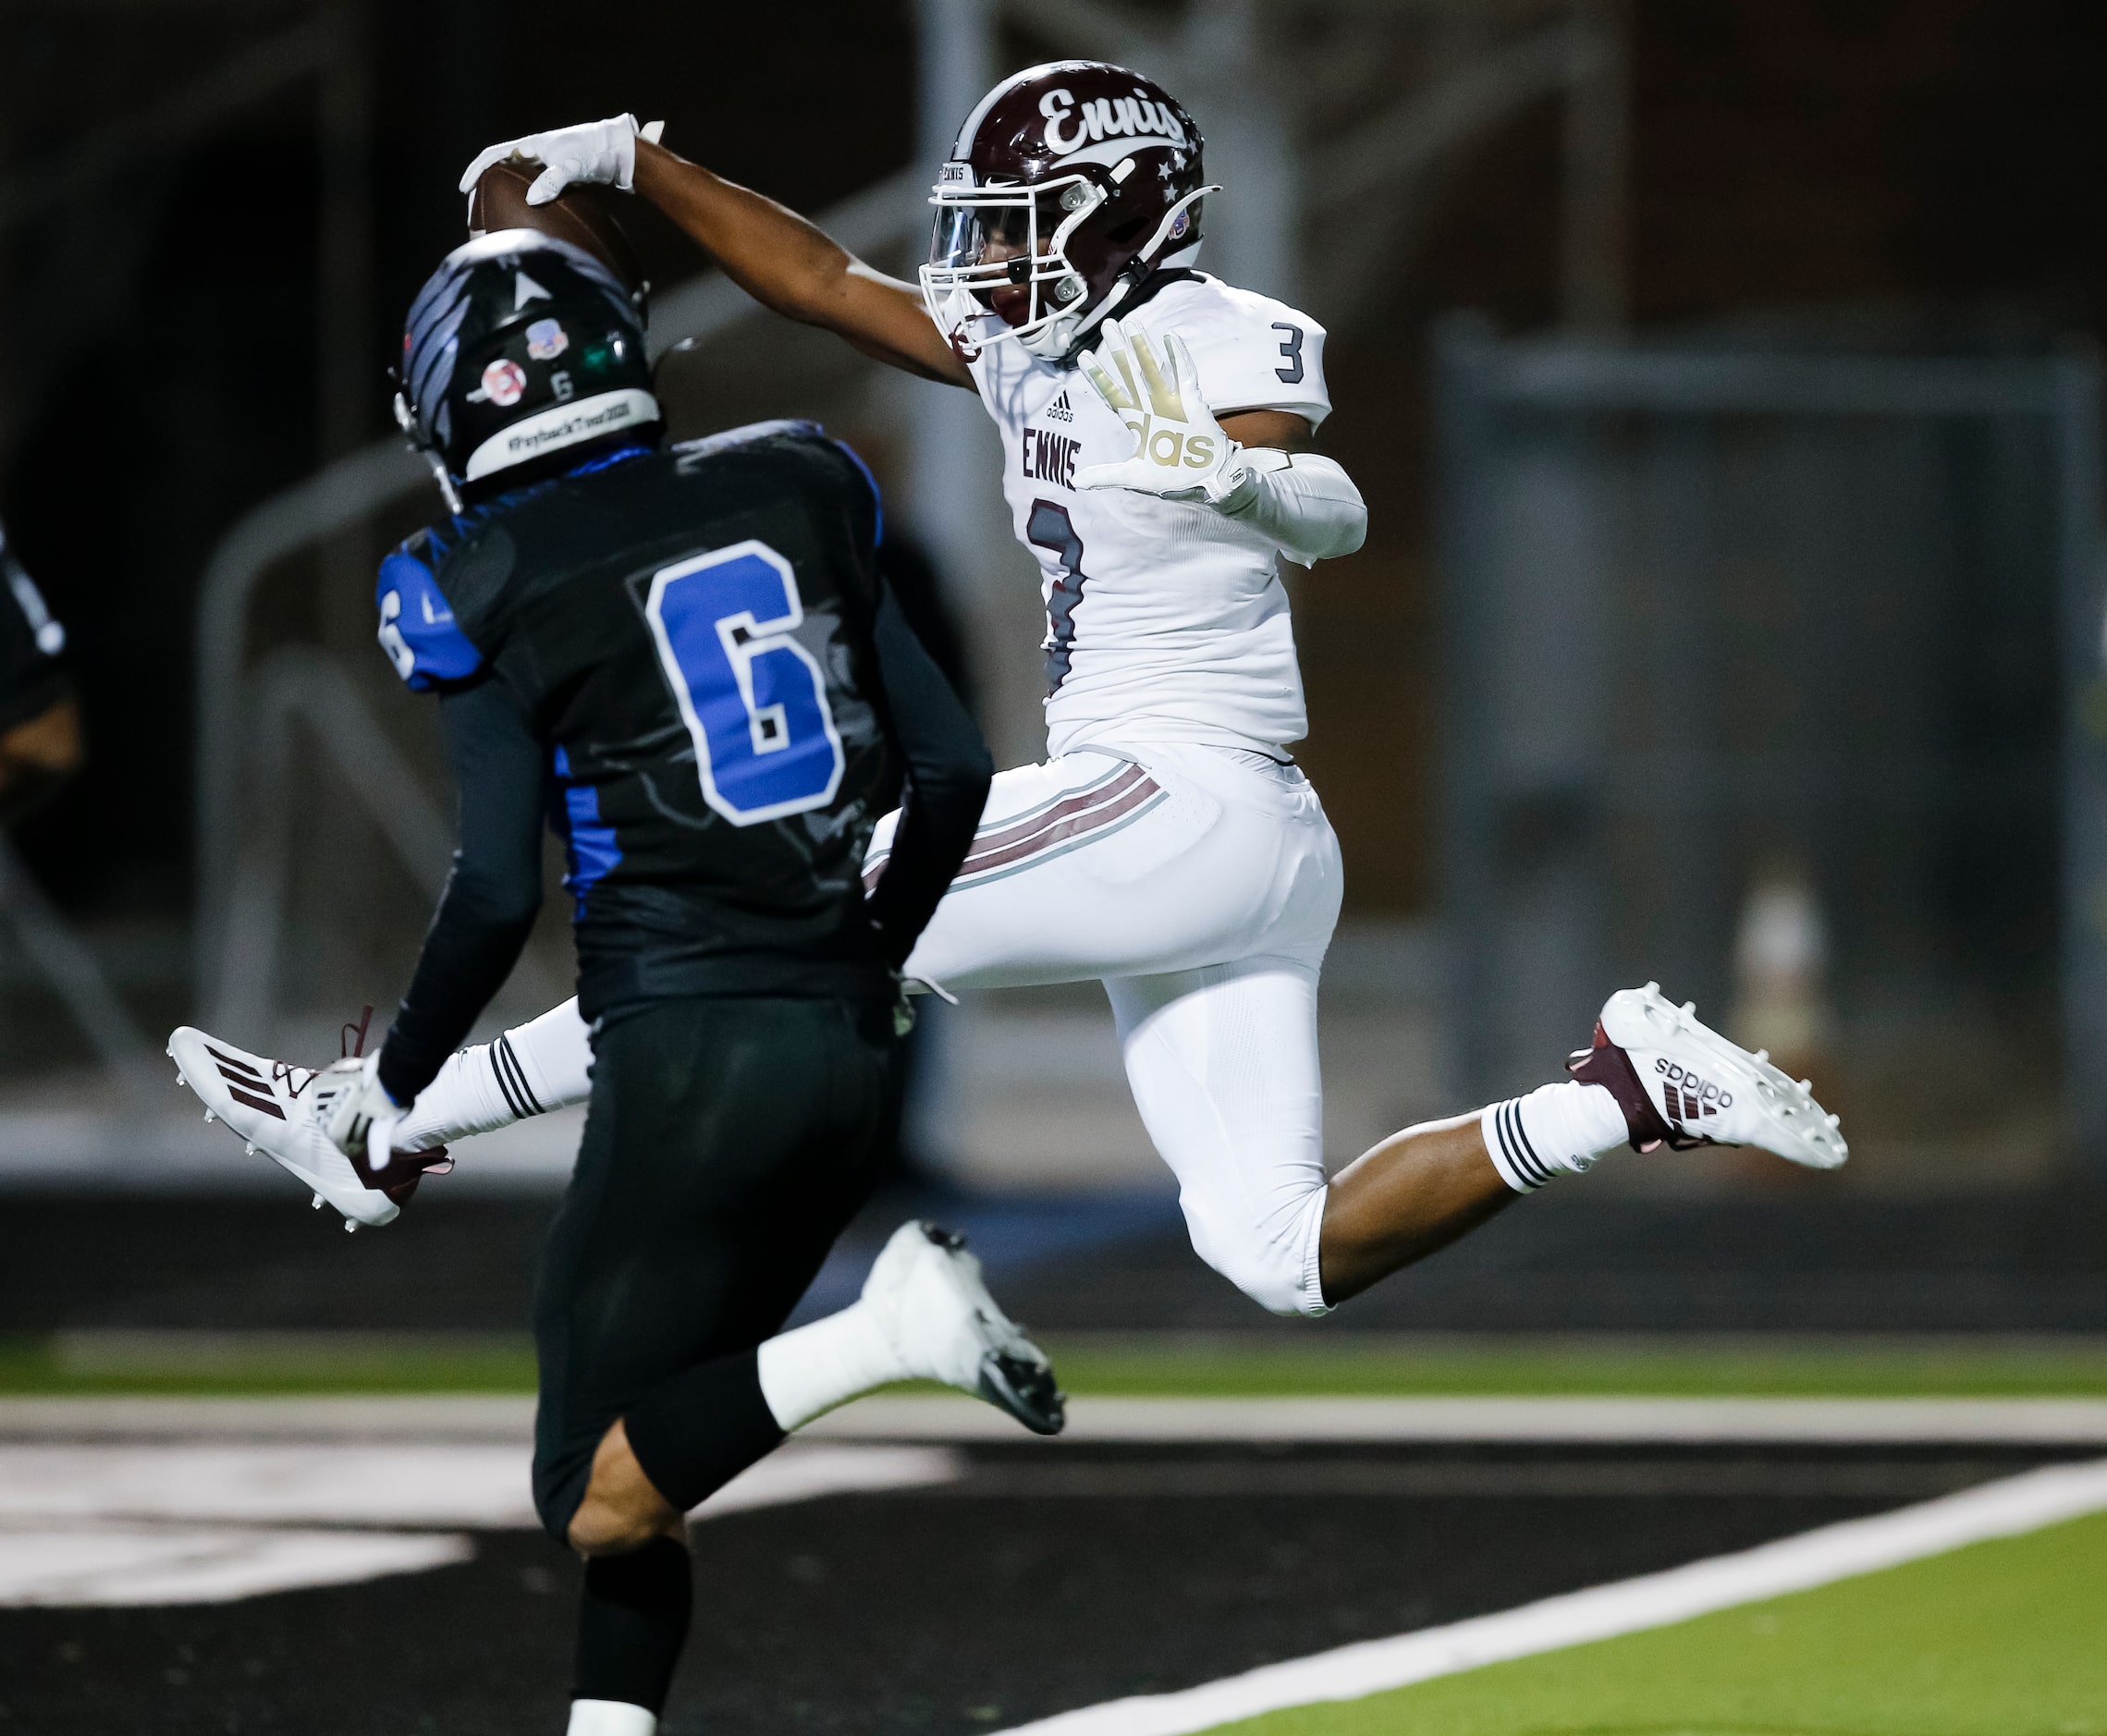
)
(1278, 428)
(37, 757)
(795, 268)
(1404, 1199)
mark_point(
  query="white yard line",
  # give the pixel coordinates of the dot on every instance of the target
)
(502, 1418)
(2005, 1509)
(479, 1486)
(2050, 1421)
(2079, 1422)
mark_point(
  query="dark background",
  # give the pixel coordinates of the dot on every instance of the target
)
(1929, 172)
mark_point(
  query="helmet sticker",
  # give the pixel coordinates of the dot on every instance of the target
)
(562, 425)
(1070, 127)
(504, 384)
(525, 289)
(547, 340)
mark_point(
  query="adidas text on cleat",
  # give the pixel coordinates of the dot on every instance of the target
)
(926, 1292)
(280, 1110)
(1680, 1083)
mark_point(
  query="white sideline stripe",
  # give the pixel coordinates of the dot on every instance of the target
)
(2070, 1422)
(274, 1483)
(188, 1523)
(377, 1418)
(2067, 1422)
(2005, 1509)
(112, 1567)
(482, 1487)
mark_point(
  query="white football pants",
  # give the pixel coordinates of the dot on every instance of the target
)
(1201, 884)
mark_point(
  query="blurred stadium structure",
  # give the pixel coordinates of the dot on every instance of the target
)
(1710, 606)
(312, 826)
(321, 829)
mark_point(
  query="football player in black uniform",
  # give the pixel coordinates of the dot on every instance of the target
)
(686, 657)
(39, 725)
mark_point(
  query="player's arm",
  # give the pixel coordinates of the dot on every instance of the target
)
(768, 250)
(40, 723)
(948, 770)
(793, 266)
(1253, 466)
(493, 895)
(37, 755)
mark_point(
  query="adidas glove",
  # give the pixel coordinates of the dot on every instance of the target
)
(1303, 503)
(602, 151)
(1181, 452)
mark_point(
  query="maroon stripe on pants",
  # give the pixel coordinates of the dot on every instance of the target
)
(1005, 841)
(1081, 825)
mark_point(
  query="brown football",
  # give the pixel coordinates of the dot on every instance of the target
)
(583, 216)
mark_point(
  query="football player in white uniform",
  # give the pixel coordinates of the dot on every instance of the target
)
(1155, 426)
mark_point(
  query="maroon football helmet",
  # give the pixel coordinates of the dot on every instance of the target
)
(1067, 186)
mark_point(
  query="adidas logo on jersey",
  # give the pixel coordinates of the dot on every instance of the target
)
(1060, 410)
(1690, 1098)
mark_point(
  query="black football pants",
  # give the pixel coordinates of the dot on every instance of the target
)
(728, 1142)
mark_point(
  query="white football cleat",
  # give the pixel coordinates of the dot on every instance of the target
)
(281, 1111)
(927, 1293)
(1681, 1083)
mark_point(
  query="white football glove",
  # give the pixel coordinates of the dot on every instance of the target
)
(364, 1118)
(602, 151)
(1181, 452)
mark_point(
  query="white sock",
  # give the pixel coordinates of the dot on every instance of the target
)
(610, 1718)
(809, 1370)
(544, 1064)
(1565, 1125)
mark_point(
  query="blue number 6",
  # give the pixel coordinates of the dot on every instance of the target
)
(753, 699)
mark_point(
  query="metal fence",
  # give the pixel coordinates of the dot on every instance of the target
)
(1707, 607)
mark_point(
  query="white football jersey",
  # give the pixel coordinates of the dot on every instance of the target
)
(1166, 620)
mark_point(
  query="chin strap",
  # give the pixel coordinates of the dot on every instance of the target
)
(405, 420)
(1144, 264)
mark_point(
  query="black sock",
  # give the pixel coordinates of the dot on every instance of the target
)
(695, 1433)
(632, 1622)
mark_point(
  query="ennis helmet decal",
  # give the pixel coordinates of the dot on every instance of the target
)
(1070, 127)
(1067, 186)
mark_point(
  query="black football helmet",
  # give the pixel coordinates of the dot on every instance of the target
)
(1068, 185)
(521, 346)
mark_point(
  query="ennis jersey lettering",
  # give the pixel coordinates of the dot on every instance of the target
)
(1165, 620)
(690, 630)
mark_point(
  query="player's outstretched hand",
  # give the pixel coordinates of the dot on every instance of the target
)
(362, 1121)
(603, 151)
(1181, 452)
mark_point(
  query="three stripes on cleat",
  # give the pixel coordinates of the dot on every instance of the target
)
(244, 1084)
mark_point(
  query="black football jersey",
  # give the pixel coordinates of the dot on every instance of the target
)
(689, 633)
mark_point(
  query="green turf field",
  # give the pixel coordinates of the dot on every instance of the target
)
(2001, 1639)
(1170, 1365)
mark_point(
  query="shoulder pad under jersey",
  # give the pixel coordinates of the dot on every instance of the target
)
(710, 445)
(1251, 351)
(417, 626)
(809, 434)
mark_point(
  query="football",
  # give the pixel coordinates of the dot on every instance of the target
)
(583, 216)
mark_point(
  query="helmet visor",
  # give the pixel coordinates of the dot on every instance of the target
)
(1005, 247)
